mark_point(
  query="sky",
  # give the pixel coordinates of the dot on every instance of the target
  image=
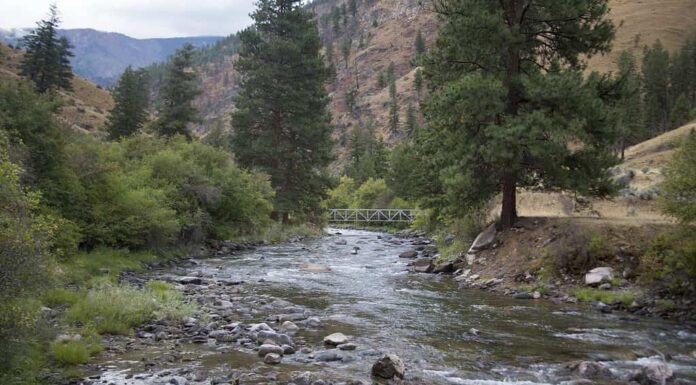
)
(135, 18)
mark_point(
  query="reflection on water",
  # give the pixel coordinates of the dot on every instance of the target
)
(426, 319)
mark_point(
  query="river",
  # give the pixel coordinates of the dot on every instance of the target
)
(425, 319)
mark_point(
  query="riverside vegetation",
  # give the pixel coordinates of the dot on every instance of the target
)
(80, 212)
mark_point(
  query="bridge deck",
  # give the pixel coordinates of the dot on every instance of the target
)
(371, 215)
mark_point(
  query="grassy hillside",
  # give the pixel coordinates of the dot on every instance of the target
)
(86, 106)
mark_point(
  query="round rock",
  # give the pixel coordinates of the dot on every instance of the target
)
(335, 339)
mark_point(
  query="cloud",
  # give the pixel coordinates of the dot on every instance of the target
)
(141, 19)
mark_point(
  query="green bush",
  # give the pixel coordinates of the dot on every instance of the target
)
(670, 261)
(606, 296)
(374, 193)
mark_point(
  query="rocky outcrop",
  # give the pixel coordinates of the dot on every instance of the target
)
(599, 275)
(388, 367)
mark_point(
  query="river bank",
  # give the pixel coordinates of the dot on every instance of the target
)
(250, 301)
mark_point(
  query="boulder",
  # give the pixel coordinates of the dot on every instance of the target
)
(315, 268)
(347, 346)
(409, 254)
(341, 242)
(304, 378)
(268, 348)
(598, 276)
(388, 367)
(272, 359)
(590, 370)
(287, 349)
(335, 339)
(289, 327)
(328, 356)
(190, 280)
(423, 265)
(279, 339)
(483, 240)
(444, 268)
(178, 380)
(653, 374)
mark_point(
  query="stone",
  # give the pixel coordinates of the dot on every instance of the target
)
(409, 254)
(279, 339)
(287, 349)
(599, 275)
(444, 268)
(536, 295)
(268, 348)
(315, 268)
(328, 356)
(483, 240)
(272, 359)
(190, 280)
(653, 374)
(341, 242)
(260, 327)
(178, 380)
(388, 367)
(289, 327)
(304, 378)
(590, 370)
(347, 346)
(523, 295)
(335, 339)
(605, 286)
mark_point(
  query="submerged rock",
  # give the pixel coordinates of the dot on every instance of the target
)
(272, 359)
(315, 268)
(336, 339)
(388, 367)
(409, 254)
(590, 370)
(268, 348)
(329, 356)
(653, 374)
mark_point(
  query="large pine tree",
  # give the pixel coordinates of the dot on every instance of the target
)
(180, 88)
(509, 106)
(131, 100)
(47, 58)
(282, 125)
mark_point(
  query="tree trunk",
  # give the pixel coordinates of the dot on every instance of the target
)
(508, 214)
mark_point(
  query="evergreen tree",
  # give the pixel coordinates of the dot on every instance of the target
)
(179, 90)
(508, 96)
(679, 189)
(681, 112)
(393, 116)
(367, 156)
(628, 111)
(131, 101)
(418, 81)
(336, 19)
(381, 80)
(656, 88)
(420, 44)
(683, 72)
(345, 49)
(392, 88)
(354, 8)
(47, 58)
(411, 122)
(282, 123)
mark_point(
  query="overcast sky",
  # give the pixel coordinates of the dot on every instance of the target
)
(136, 18)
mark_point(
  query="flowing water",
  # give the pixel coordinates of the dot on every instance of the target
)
(425, 319)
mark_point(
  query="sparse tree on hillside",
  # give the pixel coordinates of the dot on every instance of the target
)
(282, 123)
(681, 112)
(418, 81)
(178, 92)
(47, 58)
(508, 97)
(411, 121)
(679, 189)
(345, 49)
(420, 44)
(393, 116)
(353, 5)
(367, 155)
(381, 80)
(628, 111)
(656, 88)
(336, 19)
(131, 101)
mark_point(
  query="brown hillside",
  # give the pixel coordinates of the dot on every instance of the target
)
(86, 105)
(389, 29)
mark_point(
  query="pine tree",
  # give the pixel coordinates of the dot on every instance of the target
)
(282, 124)
(411, 122)
(392, 88)
(131, 101)
(508, 96)
(179, 90)
(681, 112)
(656, 88)
(381, 80)
(353, 8)
(367, 156)
(47, 58)
(629, 106)
(420, 44)
(345, 49)
(336, 19)
(418, 81)
(393, 116)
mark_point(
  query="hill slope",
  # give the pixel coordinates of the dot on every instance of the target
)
(388, 29)
(102, 56)
(87, 105)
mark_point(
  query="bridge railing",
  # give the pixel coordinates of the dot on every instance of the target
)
(371, 215)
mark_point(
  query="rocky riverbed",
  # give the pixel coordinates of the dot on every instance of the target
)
(347, 309)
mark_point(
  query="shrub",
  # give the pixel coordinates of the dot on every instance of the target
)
(670, 262)
(117, 308)
(374, 193)
(579, 251)
(606, 296)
